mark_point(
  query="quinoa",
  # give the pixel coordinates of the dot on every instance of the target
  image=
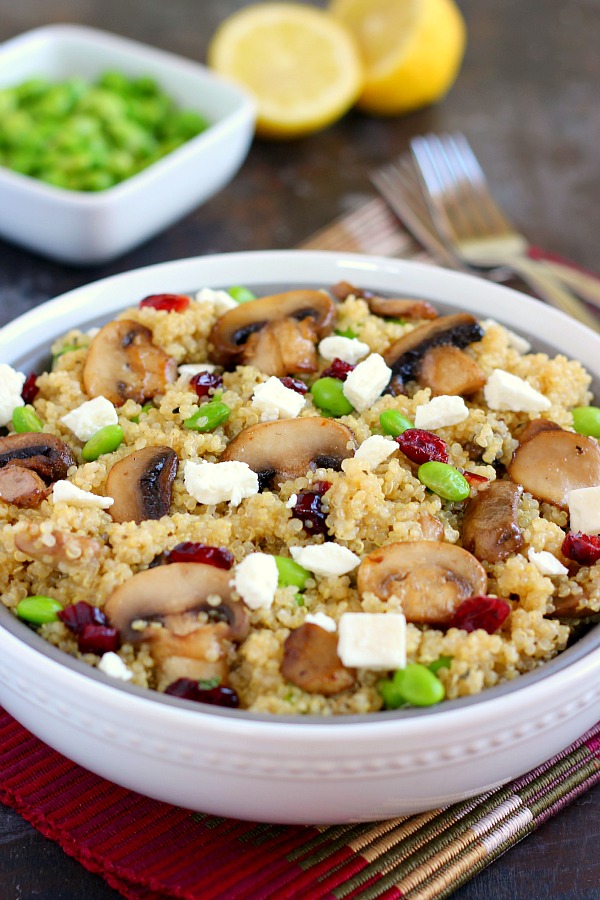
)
(364, 510)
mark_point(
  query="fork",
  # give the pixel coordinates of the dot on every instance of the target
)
(473, 226)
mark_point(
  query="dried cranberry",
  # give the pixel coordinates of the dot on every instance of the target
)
(474, 479)
(309, 508)
(204, 382)
(294, 384)
(338, 369)
(168, 302)
(582, 548)
(30, 388)
(487, 613)
(193, 552)
(219, 695)
(79, 615)
(422, 446)
(98, 639)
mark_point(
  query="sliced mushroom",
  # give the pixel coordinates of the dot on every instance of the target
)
(448, 370)
(535, 426)
(408, 308)
(431, 527)
(574, 606)
(278, 334)
(43, 453)
(201, 654)
(58, 549)
(141, 484)
(123, 364)
(22, 487)
(311, 661)
(405, 355)
(286, 449)
(490, 526)
(554, 462)
(430, 579)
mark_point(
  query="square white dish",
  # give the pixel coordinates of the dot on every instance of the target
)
(90, 228)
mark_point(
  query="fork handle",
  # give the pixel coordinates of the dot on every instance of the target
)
(546, 286)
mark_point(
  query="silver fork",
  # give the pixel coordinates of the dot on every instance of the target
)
(472, 225)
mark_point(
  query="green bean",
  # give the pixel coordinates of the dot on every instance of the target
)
(209, 416)
(106, 440)
(328, 395)
(586, 420)
(394, 423)
(38, 609)
(444, 480)
(241, 294)
(25, 418)
(415, 685)
(291, 573)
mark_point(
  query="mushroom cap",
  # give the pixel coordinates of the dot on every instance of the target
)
(431, 579)
(553, 462)
(233, 330)
(405, 354)
(47, 455)
(450, 371)
(123, 364)
(67, 550)
(311, 661)
(141, 484)
(288, 448)
(22, 487)
(400, 307)
(490, 527)
(171, 590)
(200, 654)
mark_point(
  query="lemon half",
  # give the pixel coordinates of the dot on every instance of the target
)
(302, 66)
(412, 50)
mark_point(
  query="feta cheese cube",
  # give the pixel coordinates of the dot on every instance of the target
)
(506, 391)
(349, 349)
(326, 559)
(212, 483)
(546, 562)
(90, 417)
(276, 401)
(322, 620)
(441, 412)
(191, 369)
(112, 664)
(11, 385)
(372, 640)
(221, 300)
(375, 449)
(292, 500)
(366, 382)
(584, 509)
(255, 580)
(66, 492)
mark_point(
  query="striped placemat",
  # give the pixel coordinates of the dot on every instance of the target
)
(149, 850)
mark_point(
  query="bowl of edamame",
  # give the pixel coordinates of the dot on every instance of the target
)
(105, 141)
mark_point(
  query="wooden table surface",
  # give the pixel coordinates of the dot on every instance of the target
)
(527, 98)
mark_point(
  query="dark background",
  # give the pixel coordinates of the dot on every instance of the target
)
(528, 97)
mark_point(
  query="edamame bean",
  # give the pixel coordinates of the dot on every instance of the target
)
(416, 685)
(442, 662)
(209, 416)
(291, 573)
(38, 609)
(145, 409)
(328, 395)
(241, 294)
(347, 332)
(586, 420)
(394, 423)
(444, 480)
(106, 440)
(25, 418)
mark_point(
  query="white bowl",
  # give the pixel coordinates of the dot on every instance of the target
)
(85, 228)
(303, 770)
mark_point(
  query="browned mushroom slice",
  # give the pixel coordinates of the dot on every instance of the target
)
(43, 453)
(554, 462)
(123, 364)
(286, 449)
(490, 527)
(277, 334)
(141, 484)
(22, 487)
(66, 549)
(400, 308)
(311, 661)
(200, 655)
(448, 370)
(404, 356)
(430, 579)
(534, 427)
(574, 606)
